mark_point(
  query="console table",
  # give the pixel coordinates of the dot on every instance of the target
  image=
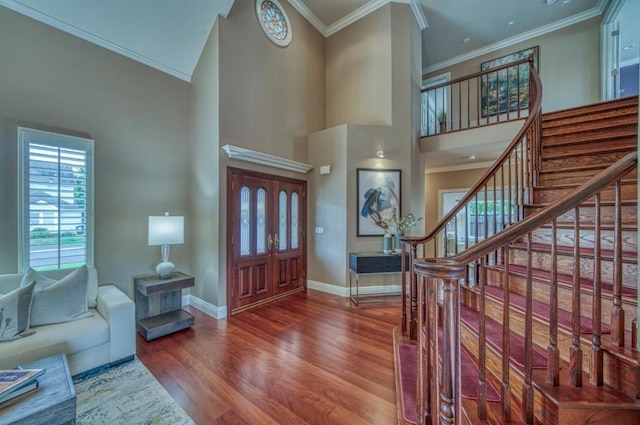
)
(159, 304)
(373, 263)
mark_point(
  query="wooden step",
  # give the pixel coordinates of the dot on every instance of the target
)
(577, 175)
(552, 406)
(596, 111)
(605, 140)
(629, 212)
(553, 134)
(541, 259)
(554, 193)
(541, 287)
(589, 158)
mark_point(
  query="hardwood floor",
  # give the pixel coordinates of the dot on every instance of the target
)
(311, 358)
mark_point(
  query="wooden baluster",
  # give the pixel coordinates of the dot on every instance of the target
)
(449, 390)
(518, 83)
(506, 346)
(553, 354)
(510, 192)
(403, 314)
(517, 183)
(527, 388)
(477, 227)
(469, 104)
(455, 234)
(617, 313)
(446, 239)
(482, 344)
(435, 341)
(413, 293)
(486, 213)
(495, 217)
(459, 106)
(575, 352)
(423, 373)
(597, 357)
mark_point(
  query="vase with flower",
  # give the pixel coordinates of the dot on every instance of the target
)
(399, 225)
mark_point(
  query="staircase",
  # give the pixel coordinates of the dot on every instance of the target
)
(559, 296)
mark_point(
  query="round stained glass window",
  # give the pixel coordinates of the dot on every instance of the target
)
(274, 21)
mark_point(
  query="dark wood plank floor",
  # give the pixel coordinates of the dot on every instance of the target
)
(311, 358)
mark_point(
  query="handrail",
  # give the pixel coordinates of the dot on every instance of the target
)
(493, 96)
(528, 124)
(522, 227)
(477, 74)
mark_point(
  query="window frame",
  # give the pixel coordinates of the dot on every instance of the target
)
(57, 140)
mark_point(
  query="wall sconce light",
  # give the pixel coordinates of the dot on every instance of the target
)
(165, 231)
(380, 154)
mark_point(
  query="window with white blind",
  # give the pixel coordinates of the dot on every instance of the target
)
(55, 172)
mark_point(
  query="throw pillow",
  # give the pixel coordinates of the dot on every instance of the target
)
(92, 283)
(59, 301)
(15, 309)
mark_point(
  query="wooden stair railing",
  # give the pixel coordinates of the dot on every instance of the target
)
(439, 307)
(496, 200)
(495, 96)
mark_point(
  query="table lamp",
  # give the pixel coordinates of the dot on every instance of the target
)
(165, 230)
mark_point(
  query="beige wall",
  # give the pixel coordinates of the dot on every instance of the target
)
(359, 89)
(138, 118)
(205, 183)
(569, 65)
(389, 36)
(326, 252)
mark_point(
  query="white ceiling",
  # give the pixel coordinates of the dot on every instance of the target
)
(170, 34)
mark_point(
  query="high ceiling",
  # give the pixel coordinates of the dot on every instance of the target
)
(170, 34)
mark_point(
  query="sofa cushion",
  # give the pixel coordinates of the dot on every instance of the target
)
(69, 338)
(15, 311)
(59, 301)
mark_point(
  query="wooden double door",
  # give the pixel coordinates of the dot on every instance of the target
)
(266, 256)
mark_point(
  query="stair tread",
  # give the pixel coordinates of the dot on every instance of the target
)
(576, 185)
(627, 256)
(493, 331)
(628, 293)
(542, 311)
(587, 150)
(622, 121)
(624, 203)
(627, 102)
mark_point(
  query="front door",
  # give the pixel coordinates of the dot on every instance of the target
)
(267, 257)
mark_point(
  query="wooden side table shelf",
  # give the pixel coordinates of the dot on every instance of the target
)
(159, 304)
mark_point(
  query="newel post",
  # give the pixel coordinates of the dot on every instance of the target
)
(450, 273)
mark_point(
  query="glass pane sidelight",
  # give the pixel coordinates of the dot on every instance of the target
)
(245, 221)
(282, 220)
(261, 218)
(294, 220)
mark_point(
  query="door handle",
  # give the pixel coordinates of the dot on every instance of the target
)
(277, 241)
(269, 241)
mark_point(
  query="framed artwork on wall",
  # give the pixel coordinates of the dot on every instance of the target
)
(507, 90)
(378, 194)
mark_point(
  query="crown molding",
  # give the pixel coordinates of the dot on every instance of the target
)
(418, 12)
(467, 166)
(554, 26)
(248, 155)
(354, 16)
(92, 38)
(309, 16)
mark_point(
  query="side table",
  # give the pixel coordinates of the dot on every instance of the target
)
(159, 304)
(373, 263)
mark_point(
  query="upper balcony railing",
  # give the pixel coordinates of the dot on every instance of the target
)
(485, 98)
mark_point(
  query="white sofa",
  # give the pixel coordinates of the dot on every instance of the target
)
(104, 339)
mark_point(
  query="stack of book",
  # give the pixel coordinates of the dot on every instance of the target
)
(15, 382)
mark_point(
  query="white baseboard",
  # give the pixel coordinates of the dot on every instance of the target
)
(205, 307)
(344, 291)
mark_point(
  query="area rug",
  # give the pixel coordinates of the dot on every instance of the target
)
(126, 394)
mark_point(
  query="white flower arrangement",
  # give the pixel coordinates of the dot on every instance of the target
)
(400, 224)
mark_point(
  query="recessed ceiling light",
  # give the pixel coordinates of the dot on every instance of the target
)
(550, 2)
(628, 47)
(466, 40)
(380, 154)
(510, 23)
(471, 157)
(565, 2)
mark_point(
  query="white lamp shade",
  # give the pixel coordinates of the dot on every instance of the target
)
(166, 230)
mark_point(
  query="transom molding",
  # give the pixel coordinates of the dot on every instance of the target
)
(248, 155)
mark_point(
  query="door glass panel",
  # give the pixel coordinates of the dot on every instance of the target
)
(245, 220)
(261, 220)
(294, 220)
(282, 220)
